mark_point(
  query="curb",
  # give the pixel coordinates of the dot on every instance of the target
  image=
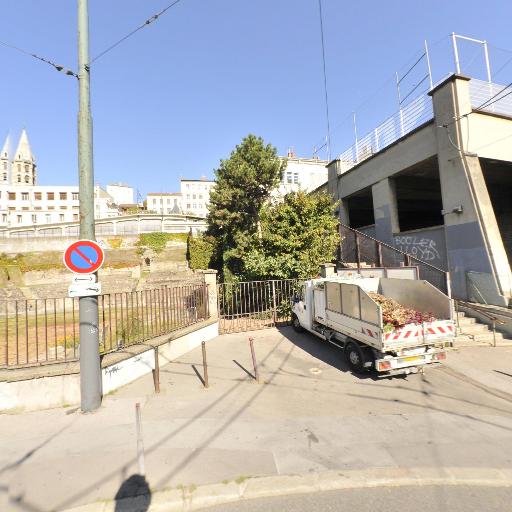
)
(195, 498)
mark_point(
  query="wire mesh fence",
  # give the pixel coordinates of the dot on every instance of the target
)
(47, 330)
(253, 305)
(359, 250)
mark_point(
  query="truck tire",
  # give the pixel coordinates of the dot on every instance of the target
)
(296, 324)
(355, 357)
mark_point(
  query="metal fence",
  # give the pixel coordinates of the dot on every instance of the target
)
(253, 305)
(358, 250)
(408, 118)
(47, 330)
(490, 97)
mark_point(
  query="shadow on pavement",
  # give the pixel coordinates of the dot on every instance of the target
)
(324, 351)
(137, 487)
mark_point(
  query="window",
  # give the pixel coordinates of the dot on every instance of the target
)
(19, 178)
(194, 206)
(63, 207)
(193, 196)
(188, 196)
(50, 196)
(4, 217)
(12, 208)
(19, 219)
(12, 196)
(19, 167)
(26, 167)
(168, 201)
(24, 196)
(27, 179)
(188, 206)
(37, 196)
(288, 177)
(51, 207)
(200, 196)
(37, 208)
(75, 216)
(154, 201)
(34, 218)
(5, 176)
(75, 196)
(188, 185)
(61, 217)
(63, 196)
(25, 208)
(5, 166)
(296, 177)
(75, 208)
(48, 218)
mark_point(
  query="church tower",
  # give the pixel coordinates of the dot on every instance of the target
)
(23, 169)
(5, 164)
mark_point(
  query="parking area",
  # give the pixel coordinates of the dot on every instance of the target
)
(308, 413)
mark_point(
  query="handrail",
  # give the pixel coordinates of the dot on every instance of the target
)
(493, 317)
(393, 248)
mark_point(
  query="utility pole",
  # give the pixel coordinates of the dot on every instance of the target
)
(90, 368)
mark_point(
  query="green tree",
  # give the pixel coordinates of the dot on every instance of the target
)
(298, 234)
(244, 183)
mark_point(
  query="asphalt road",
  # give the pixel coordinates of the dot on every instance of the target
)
(383, 499)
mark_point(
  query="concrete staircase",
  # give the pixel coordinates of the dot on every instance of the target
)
(471, 332)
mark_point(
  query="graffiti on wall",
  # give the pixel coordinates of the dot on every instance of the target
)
(422, 248)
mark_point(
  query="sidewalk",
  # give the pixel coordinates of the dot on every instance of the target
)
(488, 367)
(308, 415)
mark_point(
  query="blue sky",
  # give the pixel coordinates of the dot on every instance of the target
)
(179, 95)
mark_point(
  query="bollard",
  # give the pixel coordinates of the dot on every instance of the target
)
(205, 366)
(256, 375)
(140, 444)
(156, 372)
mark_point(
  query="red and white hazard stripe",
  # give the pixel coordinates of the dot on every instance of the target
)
(408, 332)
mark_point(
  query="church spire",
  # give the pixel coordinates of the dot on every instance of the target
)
(24, 163)
(4, 160)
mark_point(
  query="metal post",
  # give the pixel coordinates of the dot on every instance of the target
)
(156, 372)
(355, 136)
(274, 304)
(140, 445)
(402, 132)
(427, 56)
(90, 368)
(487, 63)
(358, 252)
(455, 53)
(255, 366)
(494, 331)
(205, 366)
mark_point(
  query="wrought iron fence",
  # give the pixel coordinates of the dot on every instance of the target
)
(47, 330)
(358, 249)
(252, 305)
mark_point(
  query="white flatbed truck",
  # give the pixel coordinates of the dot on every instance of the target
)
(341, 311)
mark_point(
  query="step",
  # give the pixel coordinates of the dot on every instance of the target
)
(466, 320)
(480, 340)
(475, 328)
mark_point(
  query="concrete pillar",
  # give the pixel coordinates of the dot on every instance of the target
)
(210, 280)
(344, 214)
(473, 239)
(385, 210)
(327, 269)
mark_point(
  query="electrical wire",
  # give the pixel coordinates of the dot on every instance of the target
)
(58, 67)
(328, 140)
(134, 31)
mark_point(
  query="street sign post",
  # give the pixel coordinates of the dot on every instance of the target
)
(84, 257)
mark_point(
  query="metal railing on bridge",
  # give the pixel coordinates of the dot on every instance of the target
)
(47, 330)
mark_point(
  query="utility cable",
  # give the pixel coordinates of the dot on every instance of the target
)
(134, 31)
(328, 141)
(58, 67)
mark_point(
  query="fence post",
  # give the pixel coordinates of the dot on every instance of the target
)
(274, 305)
(379, 253)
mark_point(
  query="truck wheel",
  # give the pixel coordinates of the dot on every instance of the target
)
(296, 324)
(355, 357)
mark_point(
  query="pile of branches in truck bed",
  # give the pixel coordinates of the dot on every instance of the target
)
(394, 315)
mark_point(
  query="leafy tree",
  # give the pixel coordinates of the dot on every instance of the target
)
(244, 183)
(298, 234)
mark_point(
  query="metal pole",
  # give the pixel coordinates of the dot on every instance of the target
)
(455, 53)
(427, 56)
(255, 366)
(90, 368)
(355, 135)
(399, 105)
(156, 372)
(205, 366)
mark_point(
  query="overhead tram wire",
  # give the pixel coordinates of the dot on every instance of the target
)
(58, 67)
(134, 31)
(328, 140)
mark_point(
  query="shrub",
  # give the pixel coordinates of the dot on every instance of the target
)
(200, 251)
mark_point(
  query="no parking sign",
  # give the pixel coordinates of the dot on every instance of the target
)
(84, 257)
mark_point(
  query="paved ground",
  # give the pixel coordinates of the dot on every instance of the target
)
(309, 414)
(383, 499)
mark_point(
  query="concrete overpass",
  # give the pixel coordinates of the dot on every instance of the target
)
(436, 181)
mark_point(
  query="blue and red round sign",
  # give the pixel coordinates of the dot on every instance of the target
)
(84, 257)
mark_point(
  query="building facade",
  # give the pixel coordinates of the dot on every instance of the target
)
(24, 203)
(195, 196)
(302, 174)
(164, 203)
(121, 194)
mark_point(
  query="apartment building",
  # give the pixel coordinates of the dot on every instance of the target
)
(164, 202)
(195, 196)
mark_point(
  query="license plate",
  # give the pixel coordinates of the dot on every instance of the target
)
(412, 358)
